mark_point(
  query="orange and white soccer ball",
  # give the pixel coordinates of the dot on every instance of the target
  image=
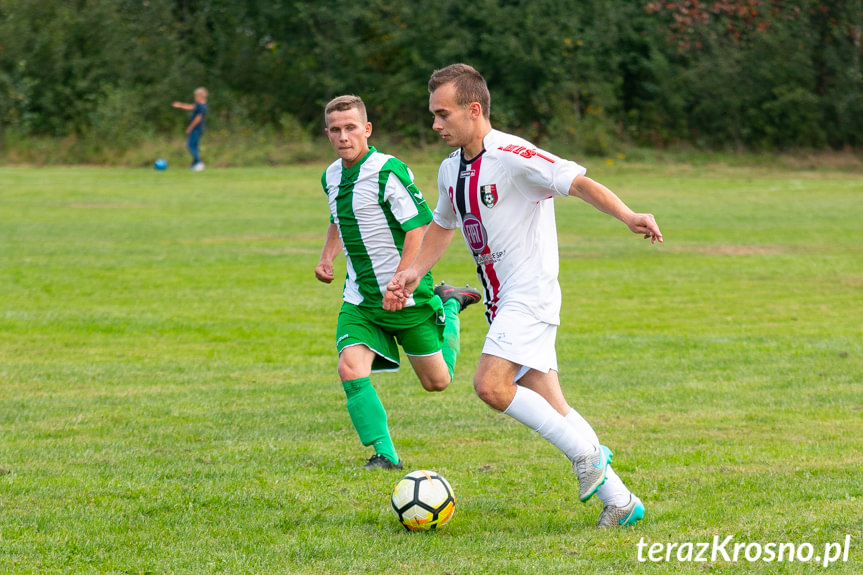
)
(423, 500)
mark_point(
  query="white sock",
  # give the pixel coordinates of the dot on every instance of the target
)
(613, 491)
(531, 409)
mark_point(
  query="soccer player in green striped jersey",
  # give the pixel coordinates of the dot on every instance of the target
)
(378, 217)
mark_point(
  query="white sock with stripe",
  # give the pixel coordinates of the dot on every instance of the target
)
(533, 410)
(613, 491)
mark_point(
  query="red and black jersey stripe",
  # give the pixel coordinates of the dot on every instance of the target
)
(465, 199)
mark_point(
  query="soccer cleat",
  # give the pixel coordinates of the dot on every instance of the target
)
(199, 167)
(465, 296)
(378, 461)
(629, 514)
(590, 470)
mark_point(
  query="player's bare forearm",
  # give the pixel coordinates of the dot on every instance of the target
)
(607, 202)
(413, 240)
(599, 197)
(434, 244)
(324, 271)
(183, 106)
(412, 244)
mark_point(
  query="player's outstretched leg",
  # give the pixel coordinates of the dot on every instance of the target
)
(455, 300)
(614, 494)
(629, 514)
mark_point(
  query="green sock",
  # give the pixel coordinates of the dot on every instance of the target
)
(451, 340)
(369, 417)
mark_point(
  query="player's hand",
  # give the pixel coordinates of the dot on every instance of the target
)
(392, 302)
(403, 284)
(645, 224)
(324, 272)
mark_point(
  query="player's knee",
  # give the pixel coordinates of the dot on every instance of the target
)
(481, 388)
(436, 382)
(348, 371)
(488, 390)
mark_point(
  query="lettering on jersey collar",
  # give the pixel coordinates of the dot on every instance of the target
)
(488, 195)
(525, 152)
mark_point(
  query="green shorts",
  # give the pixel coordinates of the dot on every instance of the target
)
(418, 329)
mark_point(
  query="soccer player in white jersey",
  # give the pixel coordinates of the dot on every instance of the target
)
(377, 217)
(499, 190)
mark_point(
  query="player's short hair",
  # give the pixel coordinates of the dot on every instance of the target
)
(345, 103)
(469, 85)
(202, 90)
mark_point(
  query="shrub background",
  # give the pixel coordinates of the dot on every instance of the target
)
(757, 75)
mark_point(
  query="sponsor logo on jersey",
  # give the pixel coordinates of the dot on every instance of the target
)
(488, 195)
(525, 152)
(490, 258)
(469, 173)
(474, 233)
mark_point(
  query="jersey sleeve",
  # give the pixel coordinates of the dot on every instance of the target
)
(324, 185)
(406, 202)
(539, 174)
(444, 212)
(326, 192)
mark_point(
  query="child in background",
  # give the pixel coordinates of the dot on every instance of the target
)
(196, 125)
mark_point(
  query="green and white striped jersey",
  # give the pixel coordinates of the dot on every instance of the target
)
(374, 203)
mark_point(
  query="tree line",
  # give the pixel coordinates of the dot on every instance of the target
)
(717, 74)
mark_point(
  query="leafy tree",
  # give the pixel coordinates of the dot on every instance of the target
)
(721, 73)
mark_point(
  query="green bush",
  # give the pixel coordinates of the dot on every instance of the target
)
(713, 75)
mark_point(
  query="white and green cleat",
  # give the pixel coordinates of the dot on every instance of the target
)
(629, 514)
(591, 471)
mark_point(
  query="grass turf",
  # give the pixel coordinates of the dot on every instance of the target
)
(169, 401)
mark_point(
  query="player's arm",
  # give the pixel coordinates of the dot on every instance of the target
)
(183, 106)
(412, 243)
(435, 241)
(332, 246)
(607, 202)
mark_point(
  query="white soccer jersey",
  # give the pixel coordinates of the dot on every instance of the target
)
(374, 203)
(503, 202)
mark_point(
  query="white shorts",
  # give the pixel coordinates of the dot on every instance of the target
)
(519, 337)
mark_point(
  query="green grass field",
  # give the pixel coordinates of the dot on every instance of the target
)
(169, 401)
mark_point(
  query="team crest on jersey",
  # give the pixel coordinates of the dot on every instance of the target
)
(474, 233)
(488, 195)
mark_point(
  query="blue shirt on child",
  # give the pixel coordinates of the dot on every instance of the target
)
(202, 110)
